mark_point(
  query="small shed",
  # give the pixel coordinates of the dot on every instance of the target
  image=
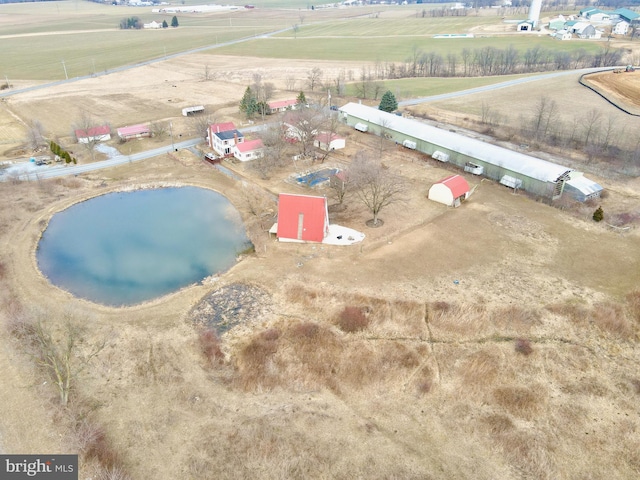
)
(329, 141)
(192, 110)
(302, 218)
(450, 191)
(281, 106)
(134, 131)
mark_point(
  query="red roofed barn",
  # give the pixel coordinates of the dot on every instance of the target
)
(450, 191)
(302, 218)
(93, 134)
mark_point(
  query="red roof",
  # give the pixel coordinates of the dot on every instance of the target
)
(302, 217)
(245, 147)
(93, 132)
(133, 130)
(457, 184)
(323, 137)
(222, 127)
(281, 104)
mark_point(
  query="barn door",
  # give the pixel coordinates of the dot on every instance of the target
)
(300, 225)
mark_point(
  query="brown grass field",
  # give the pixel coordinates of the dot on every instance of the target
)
(498, 340)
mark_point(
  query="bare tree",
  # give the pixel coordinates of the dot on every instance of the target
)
(207, 73)
(200, 124)
(274, 153)
(61, 354)
(86, 124)
(35, 135)
(290, 83)
(260, 205)
(545, 114)
(305, 125)
(340, 186)
(159, 130)
(591, 125)
(375, 185)
(330, 127)
(314, 77)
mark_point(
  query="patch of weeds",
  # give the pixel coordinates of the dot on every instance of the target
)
(523, 346)
(352, 319)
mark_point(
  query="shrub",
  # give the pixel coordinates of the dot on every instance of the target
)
(209, 344)
(99, 448)
(523, 346)
(633, 304)
(611, 318)
(352, 319)
(598, 215)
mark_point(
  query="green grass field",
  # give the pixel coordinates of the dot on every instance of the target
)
(36, 38)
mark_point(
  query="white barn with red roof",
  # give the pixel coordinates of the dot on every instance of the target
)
(248, 150)
(134, 131)
(450, 191)
(101, 133)
(329, 141)
(302, 218)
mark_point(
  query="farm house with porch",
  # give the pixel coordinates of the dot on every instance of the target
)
(534, 175)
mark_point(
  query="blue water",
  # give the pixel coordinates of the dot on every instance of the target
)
(128, 247)
(314, 178)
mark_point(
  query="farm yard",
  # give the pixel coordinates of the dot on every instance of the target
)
(496, 340)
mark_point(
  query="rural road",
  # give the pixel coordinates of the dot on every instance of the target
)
(496, 86)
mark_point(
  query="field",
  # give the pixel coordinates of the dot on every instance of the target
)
(498, 340)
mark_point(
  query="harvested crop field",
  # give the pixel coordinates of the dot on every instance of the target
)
(621, 88)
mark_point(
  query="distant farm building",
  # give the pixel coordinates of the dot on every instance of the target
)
(132, 132)
(537, 176)
(450, 191)
(192, 110)
(248, 150)
(302, 218)
(281, 106)
(93, 134)
(223, 137)
(329, 141)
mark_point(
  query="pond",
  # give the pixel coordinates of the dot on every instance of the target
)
(125, 248)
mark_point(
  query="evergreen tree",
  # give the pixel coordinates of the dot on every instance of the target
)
(598, 215)
(165, 24)
(388, 102)
(301, 99)
(248, 104)
(174, 21)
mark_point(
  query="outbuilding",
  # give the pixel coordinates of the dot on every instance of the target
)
(134, 131)
(101, 133)
(329, 141)
(302, 218)
(450, 191)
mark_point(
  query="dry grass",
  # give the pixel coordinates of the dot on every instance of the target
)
(523, 402)
(611, 318)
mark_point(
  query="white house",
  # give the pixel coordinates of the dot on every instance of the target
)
(223, 137)
(249, 150)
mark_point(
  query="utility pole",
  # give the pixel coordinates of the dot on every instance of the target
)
(173, 148)
(65, 70)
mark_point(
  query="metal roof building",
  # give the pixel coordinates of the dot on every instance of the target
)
(538, 176)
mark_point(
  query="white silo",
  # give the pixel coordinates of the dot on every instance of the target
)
(534, 12)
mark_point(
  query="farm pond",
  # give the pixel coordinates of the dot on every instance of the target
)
(125, 248)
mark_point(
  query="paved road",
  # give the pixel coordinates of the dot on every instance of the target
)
(496, 86)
